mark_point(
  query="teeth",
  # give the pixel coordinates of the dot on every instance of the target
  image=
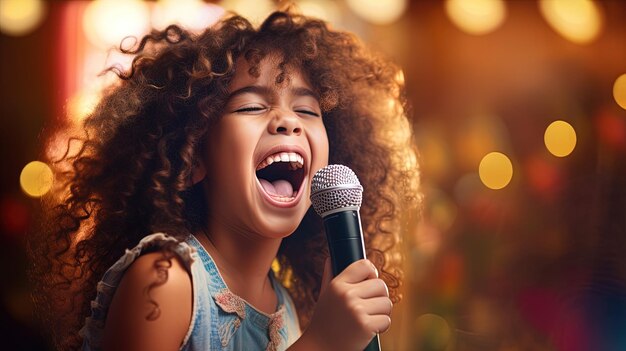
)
(295, 160)
(284, 198)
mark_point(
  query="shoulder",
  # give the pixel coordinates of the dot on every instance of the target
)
(152, 306)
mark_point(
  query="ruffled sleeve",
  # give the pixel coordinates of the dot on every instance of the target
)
(94, 324)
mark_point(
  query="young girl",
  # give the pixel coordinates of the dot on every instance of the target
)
(194, 177)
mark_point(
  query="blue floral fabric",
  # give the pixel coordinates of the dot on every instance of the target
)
(220, 319)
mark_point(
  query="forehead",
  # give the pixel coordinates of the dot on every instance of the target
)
(268, 71)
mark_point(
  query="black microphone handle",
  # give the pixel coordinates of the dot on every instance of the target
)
(345, 243)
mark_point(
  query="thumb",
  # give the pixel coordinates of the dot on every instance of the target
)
(327, 276)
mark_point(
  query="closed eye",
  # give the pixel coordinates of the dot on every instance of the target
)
(251, 109)
(307, 112)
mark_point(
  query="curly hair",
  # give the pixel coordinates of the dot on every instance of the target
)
(131, 174)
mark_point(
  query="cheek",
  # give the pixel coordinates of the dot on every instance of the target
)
(230, 153)
(319, 147)
(237, 139)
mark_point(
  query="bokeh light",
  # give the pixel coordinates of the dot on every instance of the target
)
(448, 277)
(619, 91)
(578, 21)
(254, 10)
(560, 138)
(13, 216)
(478, 135)
(107, 22)
(476, 16)
(543, 176)
(21, 17)
(483, 316)
(36, 179)
(611, 128)
(191, 14)
(82, 104)
(495, 170)
(467, 188)
(322, 9)
(378, 12)
(435, 153)
(440, 209)
(433, 332)
(428, 241)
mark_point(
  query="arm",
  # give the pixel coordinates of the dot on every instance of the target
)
(127, 326)
(351, 309)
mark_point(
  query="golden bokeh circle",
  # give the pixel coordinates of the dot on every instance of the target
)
(36, 179)
(495, 170)
(619, 91)
(560, 138)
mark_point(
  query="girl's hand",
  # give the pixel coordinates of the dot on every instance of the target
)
(352, 308)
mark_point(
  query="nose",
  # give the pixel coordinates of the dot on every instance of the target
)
(286, 123)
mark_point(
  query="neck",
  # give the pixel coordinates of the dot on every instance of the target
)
(244, 260)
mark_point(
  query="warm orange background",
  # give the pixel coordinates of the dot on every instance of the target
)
(537, 265)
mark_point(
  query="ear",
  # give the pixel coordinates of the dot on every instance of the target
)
(198, 173)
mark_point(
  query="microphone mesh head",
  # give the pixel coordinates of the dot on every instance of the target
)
(335, 188)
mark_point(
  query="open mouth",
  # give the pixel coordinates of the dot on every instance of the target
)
(281, 175)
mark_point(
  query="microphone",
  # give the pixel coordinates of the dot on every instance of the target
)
(336, 195)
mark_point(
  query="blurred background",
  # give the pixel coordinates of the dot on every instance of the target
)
(518, 109)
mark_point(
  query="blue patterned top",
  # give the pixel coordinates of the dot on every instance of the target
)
(220, 319)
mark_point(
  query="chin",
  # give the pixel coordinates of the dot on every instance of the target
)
(282, 222)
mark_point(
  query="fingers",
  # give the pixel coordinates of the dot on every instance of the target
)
(380, 323)
(372, 288)
(378, 306)
(358, 271)
(351, 308)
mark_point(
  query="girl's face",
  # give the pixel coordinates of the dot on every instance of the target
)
(264, 151)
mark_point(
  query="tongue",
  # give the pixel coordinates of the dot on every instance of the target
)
(278, 187)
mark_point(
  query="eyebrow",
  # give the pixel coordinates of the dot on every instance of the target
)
(267, 91)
